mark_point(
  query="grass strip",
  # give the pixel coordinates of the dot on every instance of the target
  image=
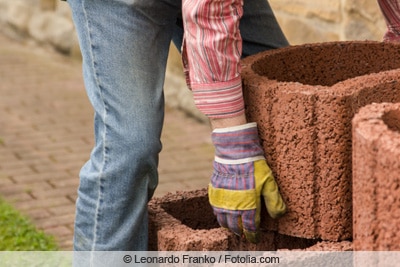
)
(17, 233)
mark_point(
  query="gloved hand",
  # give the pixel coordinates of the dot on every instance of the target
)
(241, 176)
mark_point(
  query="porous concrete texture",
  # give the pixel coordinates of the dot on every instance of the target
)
(184, 222)
(303, 99)
(376, 178)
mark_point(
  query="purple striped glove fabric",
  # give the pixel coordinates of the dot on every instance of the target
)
(241, 177)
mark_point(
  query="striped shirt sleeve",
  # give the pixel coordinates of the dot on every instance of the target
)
(391, 11)
(211, 52)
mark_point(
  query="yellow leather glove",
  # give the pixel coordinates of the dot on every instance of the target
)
(241, 176)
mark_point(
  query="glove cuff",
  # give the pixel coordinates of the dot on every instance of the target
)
(237, 144)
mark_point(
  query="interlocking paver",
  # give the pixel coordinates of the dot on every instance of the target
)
(46, 135)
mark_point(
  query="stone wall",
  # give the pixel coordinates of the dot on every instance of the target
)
(48, 23)
(306, 21)
(45, 22)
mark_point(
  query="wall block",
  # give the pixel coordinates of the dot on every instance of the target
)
(303, 99)
(184, 221)
(376, 178)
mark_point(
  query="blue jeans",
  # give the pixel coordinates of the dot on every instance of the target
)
(124, 45)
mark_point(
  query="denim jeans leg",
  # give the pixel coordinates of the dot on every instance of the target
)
(124, 45)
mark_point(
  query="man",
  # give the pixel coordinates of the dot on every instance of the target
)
(124, 46)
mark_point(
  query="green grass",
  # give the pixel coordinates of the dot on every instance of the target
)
(17, 233)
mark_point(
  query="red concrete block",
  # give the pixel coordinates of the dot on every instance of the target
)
(303, 99)
(376, 178)
(184, 221)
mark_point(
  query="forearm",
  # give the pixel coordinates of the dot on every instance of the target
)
(227, 122)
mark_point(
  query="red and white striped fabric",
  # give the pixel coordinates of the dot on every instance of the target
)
(391, 12)
(211, 52)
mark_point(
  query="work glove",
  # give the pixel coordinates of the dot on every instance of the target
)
(241, 176)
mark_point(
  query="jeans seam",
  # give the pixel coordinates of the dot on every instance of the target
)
(104, 136)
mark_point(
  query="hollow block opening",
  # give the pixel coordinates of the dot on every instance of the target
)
(392, 120)
(196, 213)
(328, 63)
(193, 211)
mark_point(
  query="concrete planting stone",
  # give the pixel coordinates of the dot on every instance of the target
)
(376, 178)
(184, 221)
(303, 99)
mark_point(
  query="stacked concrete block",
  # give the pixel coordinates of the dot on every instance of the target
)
(303, 99)
(376, 178)
(184, 221)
